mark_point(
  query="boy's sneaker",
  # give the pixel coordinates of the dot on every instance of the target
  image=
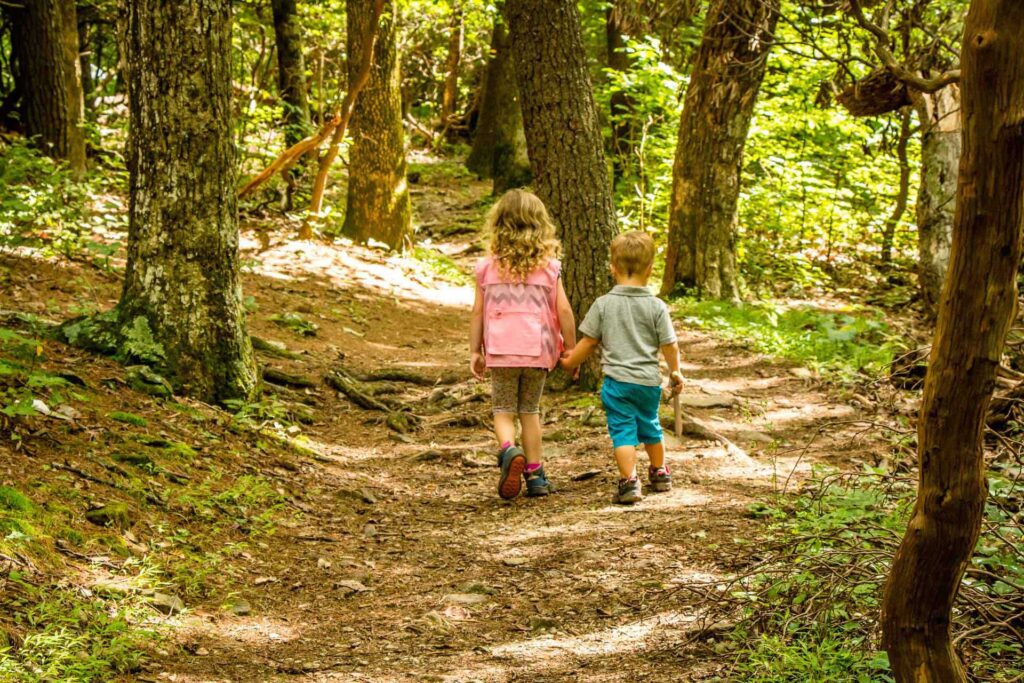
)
(512, 461)
(628, 492)
(537, 483)
(660, 479)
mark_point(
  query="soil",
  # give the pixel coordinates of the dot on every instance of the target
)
(395, 559)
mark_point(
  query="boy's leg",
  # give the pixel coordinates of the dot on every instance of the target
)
(656, 454)
(625, 458)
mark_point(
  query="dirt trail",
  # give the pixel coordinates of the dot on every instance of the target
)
(405, 565)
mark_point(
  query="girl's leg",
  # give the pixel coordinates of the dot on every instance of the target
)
(505, 428)
(656, 453)
(625, 458)
(531, 437)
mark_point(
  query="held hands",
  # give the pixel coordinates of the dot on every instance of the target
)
(477, 365)
(564, 363)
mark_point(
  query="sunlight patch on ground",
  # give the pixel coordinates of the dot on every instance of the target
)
(613, 641)
(346, 266)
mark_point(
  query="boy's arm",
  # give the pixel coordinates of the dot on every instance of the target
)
(583, 349)
(671, 353)
(566, 320)
(476, 336)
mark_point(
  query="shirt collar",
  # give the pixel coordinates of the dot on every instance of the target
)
(629, 290)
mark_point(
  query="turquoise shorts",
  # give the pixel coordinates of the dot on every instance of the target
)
(632, 412)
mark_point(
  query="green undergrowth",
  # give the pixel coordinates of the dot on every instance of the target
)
(26, 387)
(843, 344)
(808, 611)
(442, 266)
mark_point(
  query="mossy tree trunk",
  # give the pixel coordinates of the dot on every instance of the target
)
(481, 154)
(720, 99)
(563, 134)
(45, 42)
(182, 272)
(620, 21)
(510, 165)
(450, 92)
(378, 205)
(939, 114)
(976, 309)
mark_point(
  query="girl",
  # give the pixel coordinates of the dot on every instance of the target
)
(522, 321)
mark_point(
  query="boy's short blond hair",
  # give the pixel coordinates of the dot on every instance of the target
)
(633, 253)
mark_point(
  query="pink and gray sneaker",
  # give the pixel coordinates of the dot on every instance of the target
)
(660, 479)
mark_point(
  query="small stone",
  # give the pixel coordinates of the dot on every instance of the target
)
(262, 580)
(323, 563)
(351, 586)
(370, 530)
(708, 401)
(111, 515)
(143, 379)
(239, 606)
(802, 373)
(589, 474)
(465, 598)
(753, 436)
(515, 561)
(543, 624)
(202, 652)
(166, 603)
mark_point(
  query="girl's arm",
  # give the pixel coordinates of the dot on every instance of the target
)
(566, 320)
(583, 349)
(476, 336)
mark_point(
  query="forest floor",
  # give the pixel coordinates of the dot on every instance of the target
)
(390, 557)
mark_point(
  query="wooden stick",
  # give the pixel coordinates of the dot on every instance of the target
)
(678, 413)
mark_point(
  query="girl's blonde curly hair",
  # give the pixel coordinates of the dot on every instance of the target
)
(522, 234)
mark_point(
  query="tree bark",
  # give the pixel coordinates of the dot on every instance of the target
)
(936, 198)
(45, 41)
(182, 270)
(563, 134)
(378, 196)
(510, 163)
(903, 194)
(450, 94)
(975, 311)
(481, 155)
(291, 70)
(720, 99)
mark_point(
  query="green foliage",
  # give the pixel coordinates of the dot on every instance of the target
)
(128, 418)
(296, 323)
(855, 340)
(810, 607)
(22, 380)
(70, 638)
(13, 500)
(138, 345)
(44, 207)
(441, 265)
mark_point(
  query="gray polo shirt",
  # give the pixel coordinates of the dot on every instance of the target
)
(632, 325)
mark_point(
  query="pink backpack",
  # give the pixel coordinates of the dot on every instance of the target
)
(521, 327)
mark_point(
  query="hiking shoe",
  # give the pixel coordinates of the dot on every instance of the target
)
(628, 492)
(660, 479)
(513, 462)
(537, 484)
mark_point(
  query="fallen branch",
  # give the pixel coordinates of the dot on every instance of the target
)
(287, 379)
(395, 375)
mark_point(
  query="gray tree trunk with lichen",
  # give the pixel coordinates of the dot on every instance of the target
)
(182, 272)
(941, 143)
(720, 99)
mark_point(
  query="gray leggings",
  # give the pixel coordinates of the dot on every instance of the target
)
(517, 390)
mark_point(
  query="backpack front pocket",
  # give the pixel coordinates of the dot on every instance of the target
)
(514, 333)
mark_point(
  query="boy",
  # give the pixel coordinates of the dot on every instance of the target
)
(631, 325)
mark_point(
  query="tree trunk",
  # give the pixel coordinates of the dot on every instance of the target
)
(510, 165)
(45, 40)
(975, 312)
(481, 155)
(378, 197)
(291, 71)
(903, 194)
(564, 139)
(86, 30)
(182, 271)
(619, 22)
(713, 128)
(936, 198)
(450, 94)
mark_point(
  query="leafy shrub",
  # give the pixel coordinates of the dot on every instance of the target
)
(856, 341)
